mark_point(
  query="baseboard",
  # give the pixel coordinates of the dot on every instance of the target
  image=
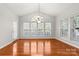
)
(7, 44)
(44, 38)
(67, 42)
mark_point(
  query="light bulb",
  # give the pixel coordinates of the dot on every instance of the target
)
(39, 21)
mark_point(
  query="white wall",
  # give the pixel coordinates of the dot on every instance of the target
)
(6, 25)
(71, 11)
(28, 18)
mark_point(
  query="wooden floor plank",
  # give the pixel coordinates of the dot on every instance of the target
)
(39, 47)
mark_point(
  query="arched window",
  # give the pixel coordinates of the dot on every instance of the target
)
(37, 28)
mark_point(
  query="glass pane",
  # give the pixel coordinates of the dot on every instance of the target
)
(33, 29)
(48, 26)
(77, 22)
(26, 26)
(40, 25)
(64, 27)
(33, 26)
(47, 29)
(76, 28)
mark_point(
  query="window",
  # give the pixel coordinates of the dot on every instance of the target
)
(37, 29)
(26, 26)
(41, 29)
(26, 29)
(77, 22)
(64, 28)
(33, 27)
(76, 28)
(48, 28)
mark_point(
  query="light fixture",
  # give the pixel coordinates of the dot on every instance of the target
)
(37, 18)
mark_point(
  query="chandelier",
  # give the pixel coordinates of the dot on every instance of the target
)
(37, 18)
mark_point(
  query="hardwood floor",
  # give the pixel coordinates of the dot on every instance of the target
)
(39, 47)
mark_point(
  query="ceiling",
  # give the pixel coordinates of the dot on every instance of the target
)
(47, 8)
